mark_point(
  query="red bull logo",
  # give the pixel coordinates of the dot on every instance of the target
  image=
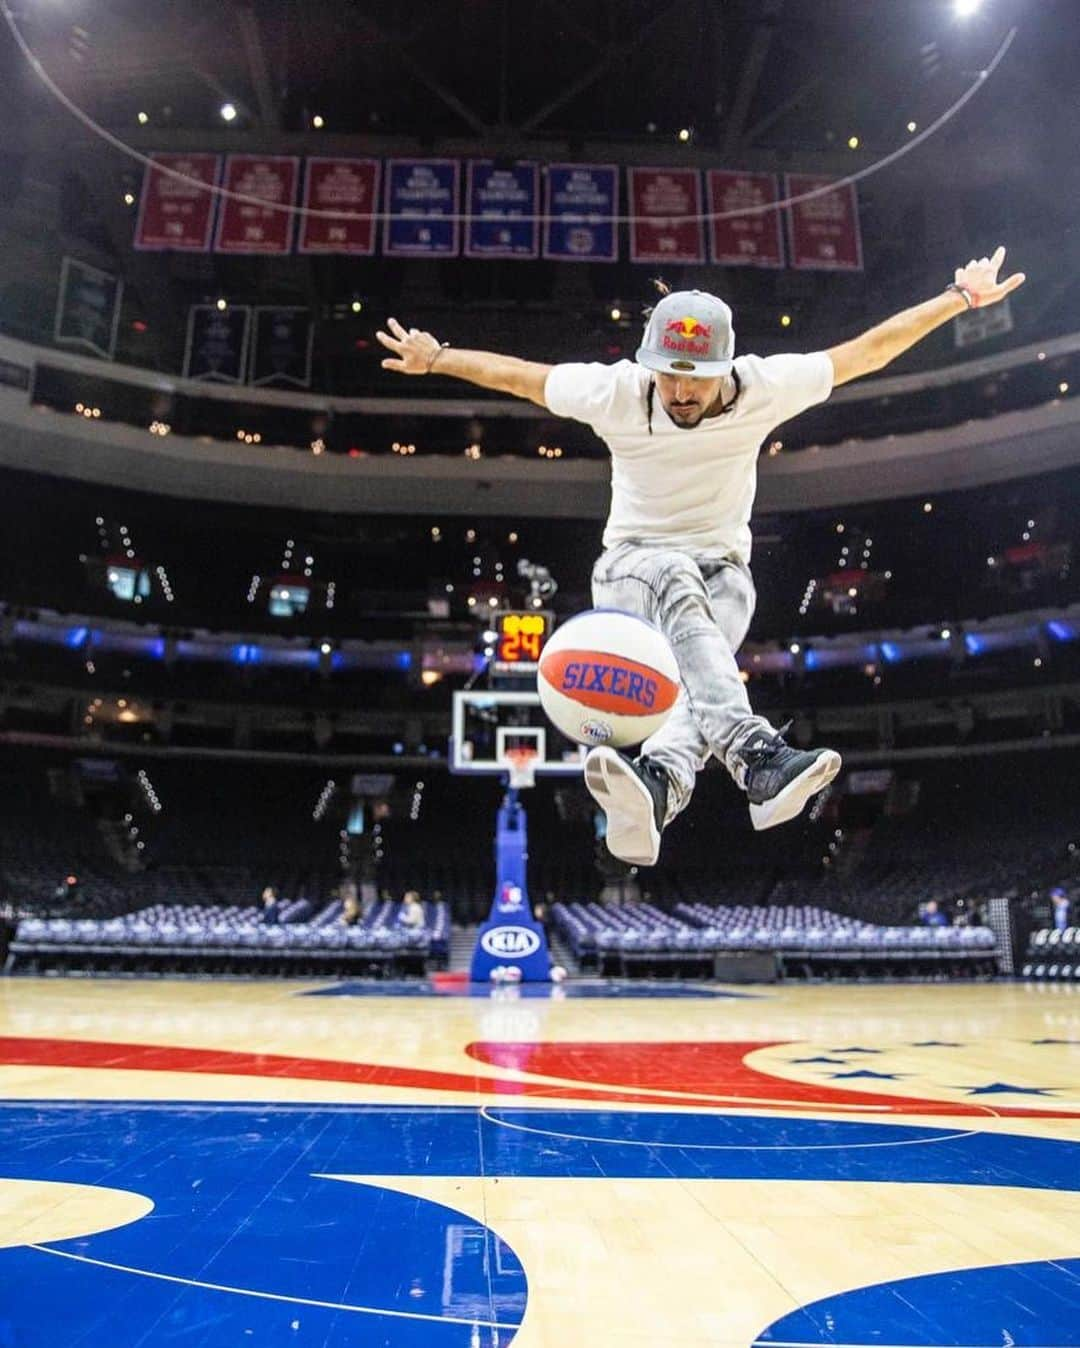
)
(687, 335)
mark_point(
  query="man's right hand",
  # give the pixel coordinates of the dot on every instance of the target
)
(414, 351)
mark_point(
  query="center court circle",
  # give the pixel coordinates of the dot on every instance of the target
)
(701, 1123)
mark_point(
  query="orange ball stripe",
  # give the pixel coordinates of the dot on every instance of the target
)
(608, 683)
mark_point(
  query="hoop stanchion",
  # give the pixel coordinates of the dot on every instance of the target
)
(511, 939)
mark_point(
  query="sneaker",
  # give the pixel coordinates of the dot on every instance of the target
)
(633, 797)
(779, 780)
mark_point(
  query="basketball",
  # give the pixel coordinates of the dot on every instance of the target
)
(607, 677)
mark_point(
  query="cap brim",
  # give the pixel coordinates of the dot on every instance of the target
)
(694, 369)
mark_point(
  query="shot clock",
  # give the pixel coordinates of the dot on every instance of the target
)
(519, 639)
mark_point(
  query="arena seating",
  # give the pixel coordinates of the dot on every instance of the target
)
(807, 941)
(1053, 956)
(230, 937)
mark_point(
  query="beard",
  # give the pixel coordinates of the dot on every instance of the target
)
(686, 418)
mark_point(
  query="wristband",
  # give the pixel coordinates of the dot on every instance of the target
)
(435, 356)
(964, 293)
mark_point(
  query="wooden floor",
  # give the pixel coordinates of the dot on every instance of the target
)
(218, 1163)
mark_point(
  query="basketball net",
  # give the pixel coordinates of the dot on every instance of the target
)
(521, 766)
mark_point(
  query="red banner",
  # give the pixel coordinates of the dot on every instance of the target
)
(347, 185)
(744, 240)
(247, 227)
(658, 198)
(174, 214)
(824, 232)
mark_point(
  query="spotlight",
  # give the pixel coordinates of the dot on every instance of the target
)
(222, 305)
(684, 134)
(228, 112)
(356, 306)
(143, 118)
(616, 314)
(317, 122)
(964, 9)
(912, 127)
(785, 320)
(853, 142)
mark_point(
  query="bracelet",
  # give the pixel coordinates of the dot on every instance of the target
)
(963, 292)
(435, 356)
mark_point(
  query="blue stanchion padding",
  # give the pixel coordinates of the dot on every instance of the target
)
(511, 938)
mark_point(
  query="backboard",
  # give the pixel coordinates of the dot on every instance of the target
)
(486, 724)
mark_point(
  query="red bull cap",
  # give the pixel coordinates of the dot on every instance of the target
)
(689, 332)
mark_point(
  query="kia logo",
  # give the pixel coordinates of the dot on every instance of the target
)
(516, 942)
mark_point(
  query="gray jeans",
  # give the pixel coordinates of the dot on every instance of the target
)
(703, 605)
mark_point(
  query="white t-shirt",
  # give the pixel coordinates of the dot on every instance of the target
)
(691, 489)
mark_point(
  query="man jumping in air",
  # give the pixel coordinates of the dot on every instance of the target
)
(684, 422)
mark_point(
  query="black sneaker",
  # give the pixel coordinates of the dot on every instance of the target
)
(779, 780)
(633, 796)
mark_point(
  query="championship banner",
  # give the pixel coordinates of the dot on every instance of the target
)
(177, 215)
(660, 201)
(496, 195)
(419, 192)
(281, 347)
(350, 185)
(88, 308)
(824, 233)
(217, 343)
(244, 226)
(744, 240)
(580, 202)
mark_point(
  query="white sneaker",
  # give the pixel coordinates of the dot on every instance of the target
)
(633, 797)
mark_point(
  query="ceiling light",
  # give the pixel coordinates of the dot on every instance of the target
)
(964, 9)
(317, 122)
(684, 134)
(853, 142)
(228, 112)
(223, 304)
(143, 118)
(913, 127)
(785, 320)
(616, 314)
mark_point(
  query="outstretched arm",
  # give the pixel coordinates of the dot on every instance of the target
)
(416, 352)
(976, 286)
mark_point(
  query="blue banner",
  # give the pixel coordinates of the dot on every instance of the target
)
(88, 308)
(419, 194)
(498, 196)
(217, 343)
(581, 201)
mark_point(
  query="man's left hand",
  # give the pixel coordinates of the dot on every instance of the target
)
(980, 280)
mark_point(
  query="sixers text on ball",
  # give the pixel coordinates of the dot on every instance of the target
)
(595, 678)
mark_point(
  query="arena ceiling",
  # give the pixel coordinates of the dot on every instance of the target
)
(792, 74)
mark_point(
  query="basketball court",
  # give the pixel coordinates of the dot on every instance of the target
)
(236, 1162)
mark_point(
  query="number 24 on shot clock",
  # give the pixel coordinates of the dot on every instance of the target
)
(520, 637)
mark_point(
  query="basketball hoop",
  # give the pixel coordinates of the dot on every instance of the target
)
(521, 766)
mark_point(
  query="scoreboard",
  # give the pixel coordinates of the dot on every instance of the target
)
(519, 639)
